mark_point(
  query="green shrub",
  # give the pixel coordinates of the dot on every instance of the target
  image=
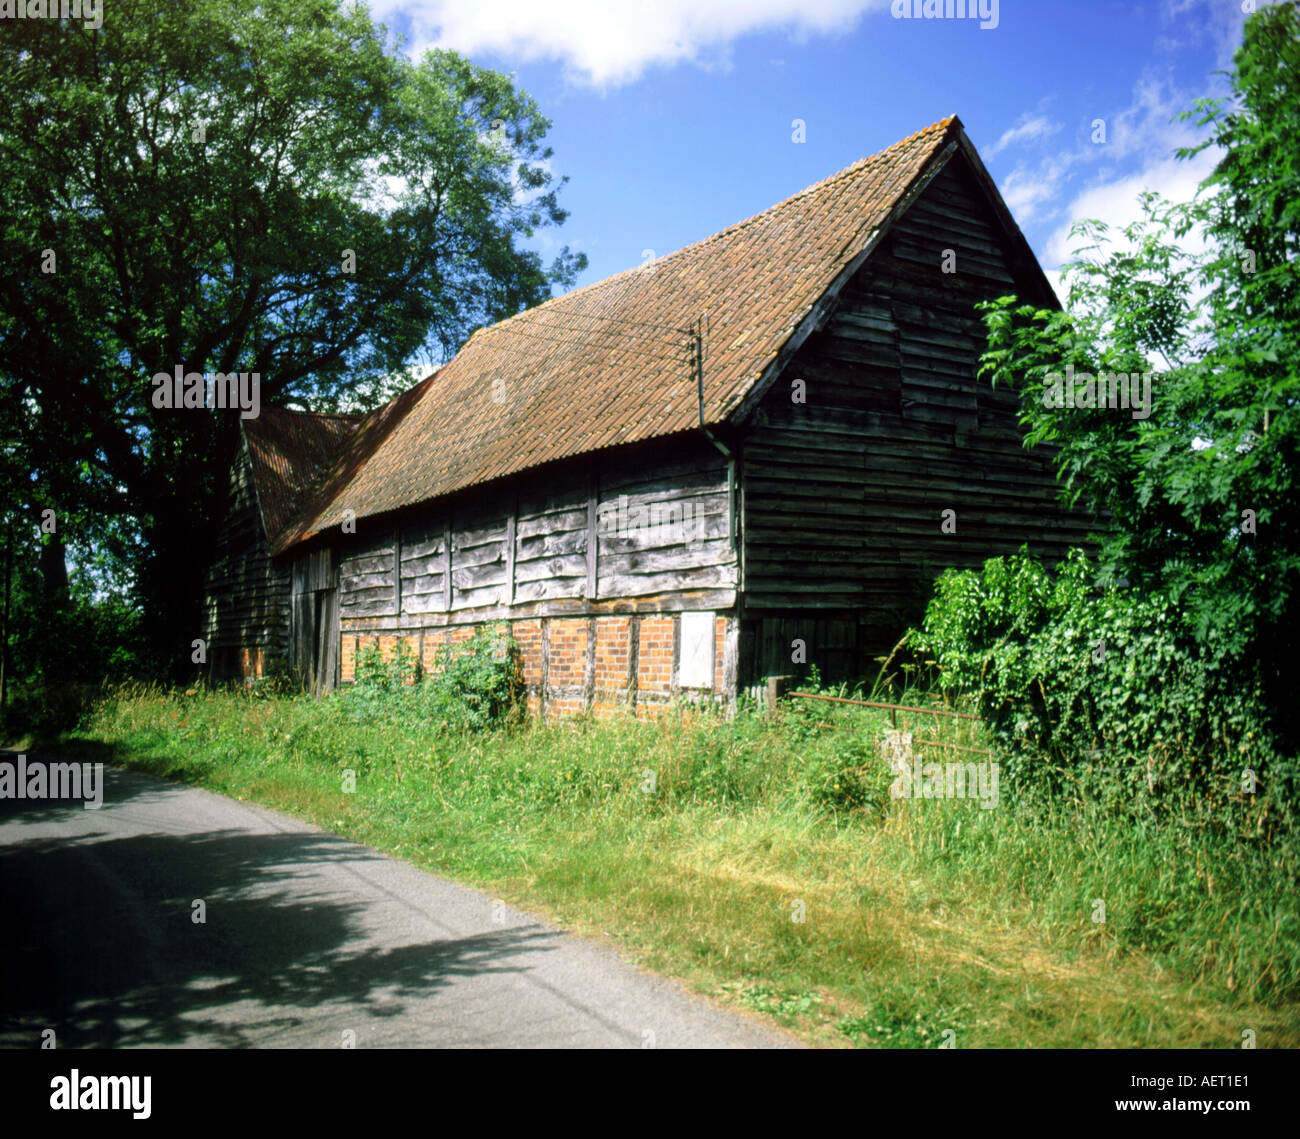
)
(1073, 680)
(474, 685)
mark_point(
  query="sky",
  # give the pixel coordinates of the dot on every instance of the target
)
(675, 118)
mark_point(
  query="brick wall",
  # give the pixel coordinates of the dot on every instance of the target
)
(655, 659)
(573, 665)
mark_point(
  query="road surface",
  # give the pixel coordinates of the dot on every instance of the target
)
(307, 938)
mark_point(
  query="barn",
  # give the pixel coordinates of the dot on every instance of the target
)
(743, 458)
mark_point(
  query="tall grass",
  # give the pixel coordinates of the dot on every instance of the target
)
(699, 842)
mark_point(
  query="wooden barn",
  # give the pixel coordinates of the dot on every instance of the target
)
(665, 480)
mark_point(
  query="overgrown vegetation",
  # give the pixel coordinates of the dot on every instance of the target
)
(473, 685)
(1109, 686)
(1200, 559)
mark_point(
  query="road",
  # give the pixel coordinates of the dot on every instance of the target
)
(307, 938)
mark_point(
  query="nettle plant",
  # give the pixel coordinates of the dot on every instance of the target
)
(473, 685)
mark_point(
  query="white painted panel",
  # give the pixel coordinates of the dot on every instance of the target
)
(696, 667)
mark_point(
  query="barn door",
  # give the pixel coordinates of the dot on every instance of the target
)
(314, 614)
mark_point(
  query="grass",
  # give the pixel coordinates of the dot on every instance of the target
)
(695, 843)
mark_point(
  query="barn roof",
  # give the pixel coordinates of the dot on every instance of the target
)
(289, 452)
(608, 364)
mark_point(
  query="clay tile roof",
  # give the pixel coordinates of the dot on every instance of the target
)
(607, 364)
(290, 450)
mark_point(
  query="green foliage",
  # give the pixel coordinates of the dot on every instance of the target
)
(474, 685)
(784, 1004)
(478, 683)
(216, 162)
(891, 1027)
(1078, 681)
(1199, 500)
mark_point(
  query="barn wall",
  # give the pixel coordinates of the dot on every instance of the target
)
(592, 563)
(843, 494)
(642, 530)
(246, 593)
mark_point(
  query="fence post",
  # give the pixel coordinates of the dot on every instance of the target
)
(777, 686)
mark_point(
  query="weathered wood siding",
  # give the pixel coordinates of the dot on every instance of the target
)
(246, 593)
(844, 493)
(643, 529)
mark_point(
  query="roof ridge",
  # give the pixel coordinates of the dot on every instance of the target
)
(941, 126)
(317, 414)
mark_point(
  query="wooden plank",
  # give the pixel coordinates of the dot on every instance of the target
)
(633, 585)
(446, 562)
(511, 523)
(559, 522)
(549, 545)
(593, 495)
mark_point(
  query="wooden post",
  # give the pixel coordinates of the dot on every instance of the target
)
(512, 523)
(730, 662)
(633, 657)
(777, 686)
(544, 686)
(446, 561)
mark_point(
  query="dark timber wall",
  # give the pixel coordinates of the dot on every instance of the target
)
(843, 494)
(247, 594)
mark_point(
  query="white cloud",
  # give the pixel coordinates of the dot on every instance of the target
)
(1116, 202)
(1191, 20)
(605, 44)
(1024, 192)
(1031, 128)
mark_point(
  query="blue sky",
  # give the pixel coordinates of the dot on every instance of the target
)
(674, 118)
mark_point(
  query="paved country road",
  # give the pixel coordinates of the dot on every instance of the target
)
(307, 937)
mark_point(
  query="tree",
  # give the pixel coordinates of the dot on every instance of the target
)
(1200, 495)
(227, 188)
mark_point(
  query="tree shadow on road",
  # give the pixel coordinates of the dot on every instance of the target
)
(101, 946)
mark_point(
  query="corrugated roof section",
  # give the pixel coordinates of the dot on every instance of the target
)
(608, 364)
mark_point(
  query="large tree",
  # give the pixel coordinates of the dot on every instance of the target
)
(227, 187)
